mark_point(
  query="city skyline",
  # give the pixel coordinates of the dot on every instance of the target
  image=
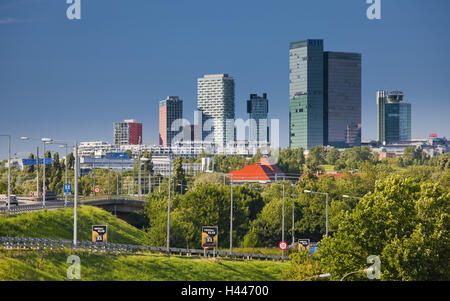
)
(81, 72)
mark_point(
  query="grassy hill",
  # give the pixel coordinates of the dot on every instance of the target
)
(51, 265)
(59, 224)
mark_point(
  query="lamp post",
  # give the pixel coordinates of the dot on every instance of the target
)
(327, 275)
(168, 207)
(44, 188)
(231, 216)
(326, 208)
(351, 197)
(145, 171)
(37, 164)
(75, 199)
(282, 221)
(293, 218)
(368, 270)
(65, 177)
(9, 169)
(93, 167)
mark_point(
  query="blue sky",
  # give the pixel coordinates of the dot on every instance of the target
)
(71, 79)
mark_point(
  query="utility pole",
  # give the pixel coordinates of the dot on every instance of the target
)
(66, 180)
(139, 173)
(9, 171)
(231, 217)
(75, 199)
(168, 207)
(44, 188)
(37, 171)
(109, 177)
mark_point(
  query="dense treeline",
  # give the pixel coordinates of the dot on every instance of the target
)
(401, 213)
(400, 210)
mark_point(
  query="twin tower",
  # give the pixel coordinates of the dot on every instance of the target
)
(325, 96)
(324, 106)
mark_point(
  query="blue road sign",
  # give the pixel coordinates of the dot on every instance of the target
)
(26, 162)
(29, 161)
(67, 188)
(47, 161)
(117, 155)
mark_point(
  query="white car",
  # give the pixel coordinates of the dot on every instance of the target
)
(13, 200)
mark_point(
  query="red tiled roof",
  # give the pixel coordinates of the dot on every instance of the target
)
(261, 171)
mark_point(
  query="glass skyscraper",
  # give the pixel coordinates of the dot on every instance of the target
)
(306, 92)
(394, 117)
(342, 99)
(170, 120)
(257, 109)
(325, 96)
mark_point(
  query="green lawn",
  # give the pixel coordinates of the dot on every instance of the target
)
(51, 265)
(59, 224)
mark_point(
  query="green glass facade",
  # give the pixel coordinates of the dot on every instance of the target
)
(306, 91)
(325, 96)
(394, 117)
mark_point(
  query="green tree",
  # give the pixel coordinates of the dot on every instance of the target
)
(291, 161)
(332, 156)
(179, 176)
(389, 223)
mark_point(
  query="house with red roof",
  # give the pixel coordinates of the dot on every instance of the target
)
(263, 172)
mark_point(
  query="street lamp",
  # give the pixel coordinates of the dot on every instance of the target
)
(352, 197)
(9, 170)
(44, 188)
(75, 199)
(139, 180)
(168, 207)
(368, 270)
(327, 275)
(37, 165)
(293, 218)
(64, 145)
(326, 208)
(282, 221)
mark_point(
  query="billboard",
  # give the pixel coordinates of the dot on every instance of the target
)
(210, 237)
(100, 233)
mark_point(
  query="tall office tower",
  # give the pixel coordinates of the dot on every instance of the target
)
(342, 122)
(170, 120)
(394, 117)
(127, 132)
(306, 93)
(257, 109)
(216, 102)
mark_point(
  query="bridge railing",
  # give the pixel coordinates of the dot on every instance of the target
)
(50, 243)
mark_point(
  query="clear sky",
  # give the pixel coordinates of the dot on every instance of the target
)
(71, 79)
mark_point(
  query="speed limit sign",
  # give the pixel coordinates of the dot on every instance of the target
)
(283, 245)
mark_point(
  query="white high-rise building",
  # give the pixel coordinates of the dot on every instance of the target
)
(216, 102)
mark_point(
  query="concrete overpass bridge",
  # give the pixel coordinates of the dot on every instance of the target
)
(123, 206)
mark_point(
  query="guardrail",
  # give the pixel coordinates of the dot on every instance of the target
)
(33, 207)
(49, 243)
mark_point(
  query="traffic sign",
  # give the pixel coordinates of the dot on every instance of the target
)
(27, 162)
(283, 245)
(303, 244)
(210, 237)
(97, 189)
(100, 233)
(45, 188)
(67, 188)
